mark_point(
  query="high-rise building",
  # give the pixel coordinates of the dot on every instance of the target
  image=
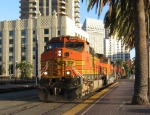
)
(33, 8)
(95, 29)
(115, 50)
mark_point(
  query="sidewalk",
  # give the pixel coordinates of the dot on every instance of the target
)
(117, 101)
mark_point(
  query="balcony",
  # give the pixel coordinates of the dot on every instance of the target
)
(62, 1)
(76, 11)
(76, 6)
(62, 7)
(62, 12)
(32, 6)
(77, 21)
(76, 16)
(76, 1)
(33, 1)
(32, 11)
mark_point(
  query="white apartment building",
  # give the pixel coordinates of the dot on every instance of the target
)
(14, 35)
(95, 29)
(115, 49)
(34, 8)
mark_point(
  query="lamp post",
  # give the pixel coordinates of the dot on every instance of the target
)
(36, 58)
(16, 71)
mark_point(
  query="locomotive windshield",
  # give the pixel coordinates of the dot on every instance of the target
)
(51, 46)
(77, 46)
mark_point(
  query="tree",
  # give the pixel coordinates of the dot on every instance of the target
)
(137, 38)
(119, 63)
(3, 71)
(127, 70)
(141, 61)
(25, 69)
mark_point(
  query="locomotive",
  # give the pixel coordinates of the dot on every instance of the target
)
(70, 69)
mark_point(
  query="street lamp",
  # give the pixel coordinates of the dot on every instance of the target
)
(36, 55)
(16, 71)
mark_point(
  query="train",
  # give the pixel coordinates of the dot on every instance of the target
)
(70, 68)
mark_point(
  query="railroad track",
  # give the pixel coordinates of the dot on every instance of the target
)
(32, 105)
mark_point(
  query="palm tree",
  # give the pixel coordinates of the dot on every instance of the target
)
(119, 63)
(136, 10)
(3, 71)
(25, 69)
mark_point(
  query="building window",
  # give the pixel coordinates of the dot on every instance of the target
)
(41, 11)
(0, 58)
(23, 40)
(75, 34)
(0, 34)
(47, 11)
(23, 58)
(33, 39)
(23, 32)
(45, 48)
(11, 50)
(41, 4)
(10, 41)
(34, 32)
(47, 3)
(11, 33)
(46, 39)
(33, 56)
(0, 42)
(33, 48)
(0, 50)
(10, 58)
(23, 49)
(58, 32)
(46, 31)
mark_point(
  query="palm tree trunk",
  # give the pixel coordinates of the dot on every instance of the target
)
(141, 62)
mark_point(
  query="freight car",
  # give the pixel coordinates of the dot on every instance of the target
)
(70, 68)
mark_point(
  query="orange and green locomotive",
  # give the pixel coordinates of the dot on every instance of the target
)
(70, 68)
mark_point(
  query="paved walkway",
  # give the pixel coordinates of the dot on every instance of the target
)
(115, 102)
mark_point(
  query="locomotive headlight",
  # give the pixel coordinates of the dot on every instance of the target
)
(68, 72)
(59, 52)
(45, 73)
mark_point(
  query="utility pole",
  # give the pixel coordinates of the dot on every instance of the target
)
(36, 58)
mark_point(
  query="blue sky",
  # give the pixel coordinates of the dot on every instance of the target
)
(9, 10)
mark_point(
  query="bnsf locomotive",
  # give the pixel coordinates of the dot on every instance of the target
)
(70, 68)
